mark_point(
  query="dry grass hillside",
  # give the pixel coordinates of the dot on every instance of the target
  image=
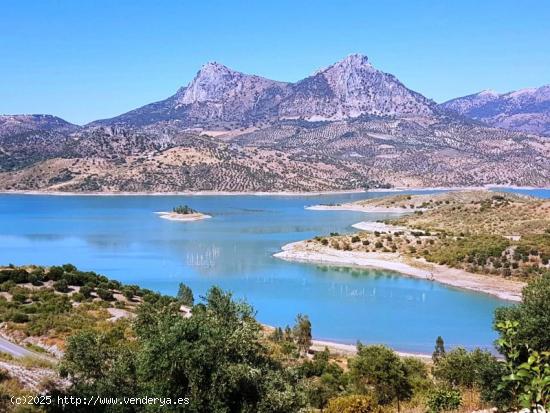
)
(479, 231)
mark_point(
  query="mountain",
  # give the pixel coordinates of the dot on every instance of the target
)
(351, 88)
(349, 126)
(15, 124)
(221, 98)
(27, 139)
(526, 110)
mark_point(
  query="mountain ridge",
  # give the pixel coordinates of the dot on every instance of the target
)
(220, 97)
(526, 110)
(345, 127)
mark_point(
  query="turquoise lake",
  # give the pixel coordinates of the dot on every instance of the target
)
(121, 237)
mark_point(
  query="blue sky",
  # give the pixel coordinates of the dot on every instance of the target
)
(83, 60)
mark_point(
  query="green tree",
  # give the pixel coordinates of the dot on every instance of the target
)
(439, 350)
(302, 333)
(185, 295)
(462, 368)
(215, 358)
(527, 381)
(380, 371)
(532, 315)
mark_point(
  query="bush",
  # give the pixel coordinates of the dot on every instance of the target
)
(459, 367)
(378, 370)
(68, 268)
(443, 400)
(185, 295)
(352, 404)
(19, 317)
(86, 291)
(532, 314)
(105, 294)
(55, 273)
(128, 293)
(62, 286)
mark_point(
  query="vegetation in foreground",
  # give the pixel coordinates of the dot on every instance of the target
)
(223, 360)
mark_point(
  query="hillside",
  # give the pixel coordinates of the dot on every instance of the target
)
(483, 232)
(526, 110)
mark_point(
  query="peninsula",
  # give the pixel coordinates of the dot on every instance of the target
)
(478, 240)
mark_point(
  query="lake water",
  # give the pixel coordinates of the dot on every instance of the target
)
(121, 237)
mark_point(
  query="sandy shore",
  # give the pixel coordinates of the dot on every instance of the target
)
(172, 216)
(264, 193)
(304, 251)
(183, 193)
(370, 226)
(360, 208)
(351, 349)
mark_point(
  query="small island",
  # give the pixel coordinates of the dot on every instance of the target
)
(183, 213)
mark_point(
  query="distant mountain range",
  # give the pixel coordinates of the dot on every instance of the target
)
(526, 110)
(348, 126)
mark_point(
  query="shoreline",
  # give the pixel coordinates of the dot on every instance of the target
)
(265, 193)
(501, 288)
(351, 349)
(185, 193)
(173, 216)
(361, 208)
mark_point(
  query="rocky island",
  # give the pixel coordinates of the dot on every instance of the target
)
(183, 213)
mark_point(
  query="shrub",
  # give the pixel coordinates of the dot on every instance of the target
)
(443, 400)
(19, 317)
(184, 210)
(86, 291)
(459, 367)
(104, 294)
(185, 295)
(55, 273)
(62, 286)
(352, 404)
(68, 268)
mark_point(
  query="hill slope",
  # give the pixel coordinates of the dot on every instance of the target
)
(525, 110)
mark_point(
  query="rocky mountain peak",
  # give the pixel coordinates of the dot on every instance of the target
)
(350, 88)
(210, 84)
(355, 60)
